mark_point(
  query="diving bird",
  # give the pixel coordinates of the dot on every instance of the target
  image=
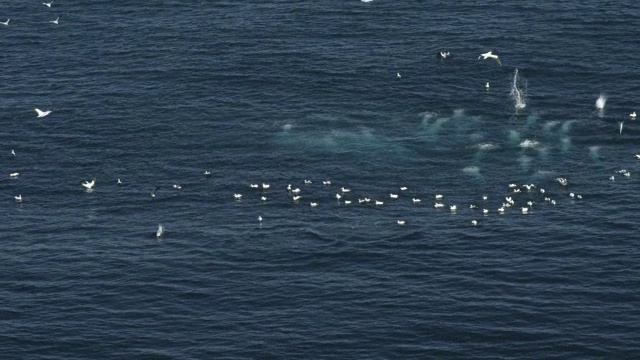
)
(153, 192)
(42, 113)
(55, 21)
(160, 231)
(5, 22)
(489, 55)
(621, 125)
(89, 184)
(48, 4)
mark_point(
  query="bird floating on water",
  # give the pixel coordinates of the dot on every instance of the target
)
(18, 198)
(42, 113)
(207, 173)
(55, 21)
(486, 86)
(5, 22)
(160, 231)
(489, 55)
(398, 75)
(119, 181)
(48, 4)
(13, 152)
(14, 175)
(443, 54)
(401, 222)
(632, 115)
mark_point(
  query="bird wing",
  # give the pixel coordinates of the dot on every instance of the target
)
(498, 60)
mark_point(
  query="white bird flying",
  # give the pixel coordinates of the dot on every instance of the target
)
(89, 184)
(42, 113)
(55, 21)
(5, 22)
(160, 231)
(48, 4)
(489, 55)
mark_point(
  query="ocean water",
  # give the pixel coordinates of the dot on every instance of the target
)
(277, 92)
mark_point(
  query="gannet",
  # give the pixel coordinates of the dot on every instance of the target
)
(401, 222)
(18, 198)
(474, 222)
(42, 113)
(237, 196)
(297, 197)
(313, 204)
(347, 202)
(486, 86)
(379, 202)
(207, 173)
(398, 75)
(345, 190)
(14, 175)
(416, 201)
(393, 196)
(119, 181)
(6, 22)
(160, 231)
(48, 4)
(326, 182)
(153, 192)
(489, 55)
(260, 218)
(89, 184)
(55, 21)
(307, 182)
(632, 115)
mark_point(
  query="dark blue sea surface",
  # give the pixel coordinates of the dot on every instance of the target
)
(278, 92)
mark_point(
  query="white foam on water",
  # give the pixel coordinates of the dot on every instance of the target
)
(529, 144)
(594, 152)
(514, 137)
(565, 144)
(525, 162)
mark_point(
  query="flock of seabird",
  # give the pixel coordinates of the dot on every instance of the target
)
(343, 196)
(56, 21)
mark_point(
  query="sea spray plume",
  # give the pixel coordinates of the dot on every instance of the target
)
(516, 93)
(601, 102)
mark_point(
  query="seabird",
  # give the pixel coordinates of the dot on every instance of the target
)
(254, 186)
(489, 55)
(160, 231)
(307, 182)
(89, 184)
(632, 115)
(260, 218)
(485, 211)
(297, 197)
(474, 222)
(55, 21)
(416, 201)
(18, 198)
(326, 182)
(443, 54)
(438, 205)
(393, 196)
(42, 113)
(153, 192)
(313, 204)
(453, 208)
(501, 210)
(48, 4)
(484, 197)
(6, 22)
(438, 196)
(401, 222)
(562, 181)
(207, 173)
(338, 196)
(612, 178)
(237, 196)
(13, 152)
(347, 202)
(119, 181)
(379, 202)
(177, 187)
(263, 198)
(265, 186)
(525, 210)
(398, 75)
(403, 188)
(621, 125)
(14, 175)
(637, 156)
(295, 191)
(486, 86)
(345, 190)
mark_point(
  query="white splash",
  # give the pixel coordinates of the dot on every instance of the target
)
(517, 94)
(600, 103)
(529, 144)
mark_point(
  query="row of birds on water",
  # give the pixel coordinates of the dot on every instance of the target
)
(47, 4)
